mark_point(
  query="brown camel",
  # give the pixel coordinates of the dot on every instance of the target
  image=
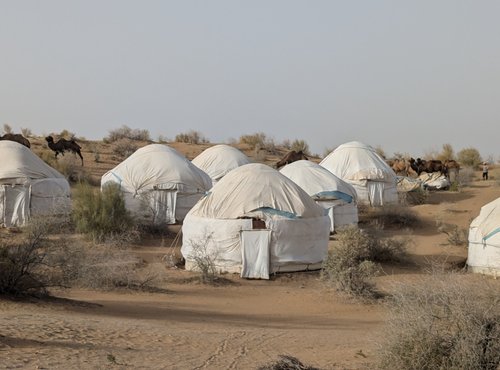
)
(290, 157)
(452, 165)
(17, 138)
(401, 166)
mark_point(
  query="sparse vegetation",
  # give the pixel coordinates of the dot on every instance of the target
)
(126, 132)
(23, 264)
(456, 235)
(469, 157)
(204, 259)
(355, 257)
(287, 362)
(191, 137)
(102, 216)
(443, 322)
(300, 145)
(26, 132)
(259, 141)
(447, 153)
(395, 215)
(123, 148)
(7, 129)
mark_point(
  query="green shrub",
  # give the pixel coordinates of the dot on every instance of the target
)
(443, 322)
(102, 215)
(469, 157)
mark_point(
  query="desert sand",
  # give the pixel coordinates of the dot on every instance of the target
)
(238, 325)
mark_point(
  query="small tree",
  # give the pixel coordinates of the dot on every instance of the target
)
(469, 157)
(446, 153)
(101, 215)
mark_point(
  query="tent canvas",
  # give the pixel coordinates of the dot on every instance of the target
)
(158, 183)
(329, 191)
(484, 240)
(361, 166)
(252, 195)
(29, 187)
(218, 160)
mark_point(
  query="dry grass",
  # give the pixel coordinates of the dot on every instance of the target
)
(444, 321)
(287, 362)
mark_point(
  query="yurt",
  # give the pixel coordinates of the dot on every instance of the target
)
(359, 165)
(484, 240)
(219, 160)
(255, 221)
(29, 187)
(329, 191)
(159, 184)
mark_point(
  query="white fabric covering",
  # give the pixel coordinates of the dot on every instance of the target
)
(29, 187)
(484, 240)
(361, 166)
(154, 169)
(255, 253)
(328, 190)
(219, 160)
(299, 227)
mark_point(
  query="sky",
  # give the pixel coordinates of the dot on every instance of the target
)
(407, 76)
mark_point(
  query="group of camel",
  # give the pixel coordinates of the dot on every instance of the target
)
(400, 166)
(58, 147)
(409, 167)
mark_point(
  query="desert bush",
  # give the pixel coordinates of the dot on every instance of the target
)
(67, 134)
(123, 148)
(162, 139)
(126, 132)
(191, 137)
(204, 259)
(287, 144)
(23, 264)
(259, 141)
(105, 267)
(348, 266)
(67, 165)
(447, 153)
(300, 145)
(287, 362)
(414, 197)
(259, 155)
(355, 257)
(456, 235)
(102, 216)
(469, 157)
(443, 322)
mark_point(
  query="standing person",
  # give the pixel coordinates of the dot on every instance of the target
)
(485, 171)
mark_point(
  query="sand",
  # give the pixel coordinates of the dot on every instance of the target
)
(238, 325)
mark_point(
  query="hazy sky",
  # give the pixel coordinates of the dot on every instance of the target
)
(406, 75)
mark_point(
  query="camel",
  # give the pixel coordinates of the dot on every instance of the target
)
(17, 138)
(290, 157)
(429, 166)
(63, 145)
(401, 166)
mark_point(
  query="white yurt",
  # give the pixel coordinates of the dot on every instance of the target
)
(219, 160)
(361, 166)
(159, 184)
(29, 187)
(484, 240)
(255, 221)
(329, 191)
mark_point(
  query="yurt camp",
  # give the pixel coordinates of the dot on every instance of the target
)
(484, 240)
(255, 221)
(361, 166)
(218, 160)
(29, 187)
(159, 184)
(329, 191)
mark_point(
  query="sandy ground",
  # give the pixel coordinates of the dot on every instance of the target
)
(239, 325)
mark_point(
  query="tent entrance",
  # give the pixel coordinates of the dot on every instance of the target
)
(163, 204)
(376, 193)
(14, 205)
(255, 253)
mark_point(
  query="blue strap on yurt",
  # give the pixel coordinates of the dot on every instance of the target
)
(278, 212)
(496, 231)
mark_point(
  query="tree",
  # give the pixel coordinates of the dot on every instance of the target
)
(469, 157)
(446, 153)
